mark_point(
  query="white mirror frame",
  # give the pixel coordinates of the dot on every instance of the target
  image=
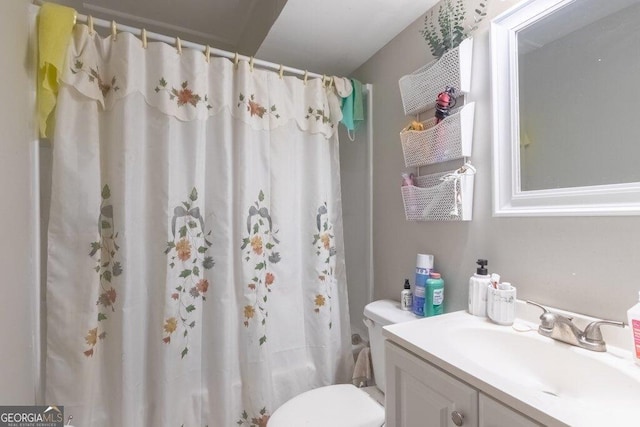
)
(508, 198)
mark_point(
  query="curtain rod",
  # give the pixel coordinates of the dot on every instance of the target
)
(144, 34)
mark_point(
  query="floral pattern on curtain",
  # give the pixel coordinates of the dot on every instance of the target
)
(105, 250)
(195, 258)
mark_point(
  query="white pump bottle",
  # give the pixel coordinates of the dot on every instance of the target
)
(478, 284)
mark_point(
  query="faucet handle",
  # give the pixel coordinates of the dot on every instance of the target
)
(592, 332)
(547, 318)
(544, 309)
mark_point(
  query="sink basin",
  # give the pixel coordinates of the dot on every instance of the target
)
(548, 366)
(552, 382)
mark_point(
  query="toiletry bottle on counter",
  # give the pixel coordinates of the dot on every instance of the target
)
(434, 296)
(633, 316)
(424, 265)
(478, 284)
(406, 299)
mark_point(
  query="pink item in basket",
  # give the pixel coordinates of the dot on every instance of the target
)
(407, 179)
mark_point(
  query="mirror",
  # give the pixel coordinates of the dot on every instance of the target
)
(566, 88)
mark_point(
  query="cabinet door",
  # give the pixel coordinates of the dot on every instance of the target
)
(421, 395)
(495, 414)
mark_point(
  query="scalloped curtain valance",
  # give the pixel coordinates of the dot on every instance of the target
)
(184, 85)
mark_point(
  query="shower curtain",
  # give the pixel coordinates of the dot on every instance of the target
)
(195, 258)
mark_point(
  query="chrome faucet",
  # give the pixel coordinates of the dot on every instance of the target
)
(561, 328)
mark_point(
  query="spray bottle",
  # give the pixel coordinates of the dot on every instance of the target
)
(424, 265)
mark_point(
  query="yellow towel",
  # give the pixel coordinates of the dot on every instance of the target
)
(55, 25)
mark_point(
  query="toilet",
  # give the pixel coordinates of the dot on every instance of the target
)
(344, 405)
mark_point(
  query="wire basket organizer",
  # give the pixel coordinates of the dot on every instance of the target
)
(444, 196)
(420, 89)
(450, 139)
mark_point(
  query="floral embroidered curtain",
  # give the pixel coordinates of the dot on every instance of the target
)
(195, 267)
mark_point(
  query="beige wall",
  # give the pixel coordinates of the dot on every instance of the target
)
(17, 210)
(587, 265)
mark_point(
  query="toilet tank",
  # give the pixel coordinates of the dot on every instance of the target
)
(376, 315)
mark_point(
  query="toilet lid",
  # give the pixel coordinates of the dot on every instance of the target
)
(342, 405)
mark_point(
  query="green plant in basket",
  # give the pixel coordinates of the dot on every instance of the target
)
(450, 29)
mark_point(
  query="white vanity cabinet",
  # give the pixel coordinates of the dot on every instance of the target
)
(499, 376)
(419, 394)
(495, 414)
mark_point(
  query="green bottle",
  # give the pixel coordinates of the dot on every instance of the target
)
(434, 295)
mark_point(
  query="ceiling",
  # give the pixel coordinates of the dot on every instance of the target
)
(335, 37)
(235, 25)
(331, 37)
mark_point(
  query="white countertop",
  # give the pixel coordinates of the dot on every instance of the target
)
(437, 340)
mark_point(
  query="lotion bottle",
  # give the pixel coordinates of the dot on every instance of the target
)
(633, 316)
(478, 284)
(406, 299)
(434, 299)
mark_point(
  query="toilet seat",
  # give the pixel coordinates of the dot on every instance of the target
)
(342, 405)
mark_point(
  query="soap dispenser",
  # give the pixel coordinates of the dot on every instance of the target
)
(478, 284)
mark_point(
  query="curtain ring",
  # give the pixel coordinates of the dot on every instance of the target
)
(114, 30)
(281, 72)
(179, 45)
(144, 38)
(251, 64)
(90, 24)
(207, 53)
(235, 60)
(306, 75)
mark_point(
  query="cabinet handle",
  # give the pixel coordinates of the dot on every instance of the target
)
(457, 418)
